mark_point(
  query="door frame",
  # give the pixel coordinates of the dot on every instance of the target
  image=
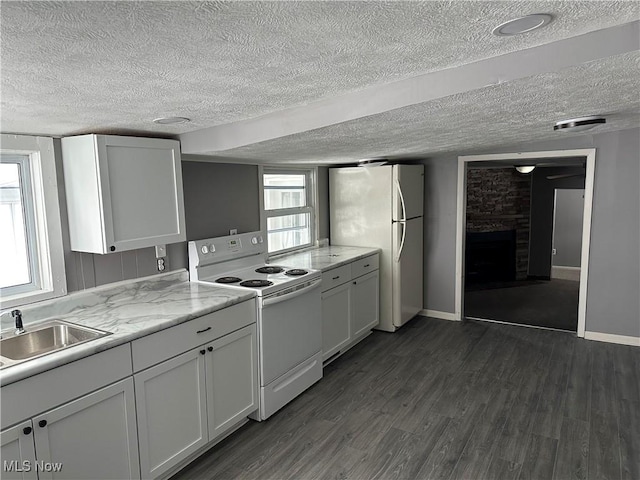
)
(461, 215)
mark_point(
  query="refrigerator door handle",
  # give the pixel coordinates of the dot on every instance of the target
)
(404, 209)
(404, 234)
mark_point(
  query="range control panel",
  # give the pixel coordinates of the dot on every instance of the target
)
(222, 249)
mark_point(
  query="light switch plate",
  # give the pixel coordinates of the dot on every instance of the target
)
(161, 251)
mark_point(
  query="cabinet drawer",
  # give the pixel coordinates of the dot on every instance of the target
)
(336, 276)
(160, 346)
(364, 265)
(49, 389)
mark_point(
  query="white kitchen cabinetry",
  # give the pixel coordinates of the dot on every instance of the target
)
(190, 400)
(122, 193)
(364, 303)
(350, 305)
(172, 412)
(336, 310)
(93, 437)
(18, 453)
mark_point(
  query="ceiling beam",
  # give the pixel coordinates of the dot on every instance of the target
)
(378, 99)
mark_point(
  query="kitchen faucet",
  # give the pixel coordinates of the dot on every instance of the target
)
(17, 315)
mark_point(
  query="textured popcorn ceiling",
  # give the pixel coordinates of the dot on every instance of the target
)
(76, 67)
(510, 113)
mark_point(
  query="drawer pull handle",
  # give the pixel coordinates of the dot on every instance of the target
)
(26, 430)
(210, 349)
(335, 278)
(367, 265)
(42, 423)
(204, 330)
(202, 352)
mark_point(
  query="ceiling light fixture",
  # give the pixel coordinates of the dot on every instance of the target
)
(171, 120)
(523, 24)
(581, 124)
(526, 168)
(373, 162)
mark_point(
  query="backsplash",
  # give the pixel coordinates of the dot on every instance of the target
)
(87, 270)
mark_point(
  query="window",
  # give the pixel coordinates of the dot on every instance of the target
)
(31, 252)
(289, 208)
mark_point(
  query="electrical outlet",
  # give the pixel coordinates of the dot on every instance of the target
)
(554, 252)
(161, 266)
(233, 231)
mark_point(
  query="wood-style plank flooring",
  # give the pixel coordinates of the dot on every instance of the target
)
(451, 400)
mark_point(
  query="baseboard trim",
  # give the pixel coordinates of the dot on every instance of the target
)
(565, 273)
(438, 314)
(611, 338)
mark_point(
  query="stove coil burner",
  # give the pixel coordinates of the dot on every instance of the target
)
(269, 269)
(294, 272)
(256, 283)
(228, 280)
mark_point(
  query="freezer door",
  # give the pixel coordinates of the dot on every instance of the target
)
(407, 270)
(408, 185)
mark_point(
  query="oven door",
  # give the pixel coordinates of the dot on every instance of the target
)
(290, 330)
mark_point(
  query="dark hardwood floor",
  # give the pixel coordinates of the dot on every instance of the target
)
(543, 303)
(450, 400)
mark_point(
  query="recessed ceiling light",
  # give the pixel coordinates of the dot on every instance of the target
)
(523, 24)
(171, 120)
(581, 124)
(526, 168)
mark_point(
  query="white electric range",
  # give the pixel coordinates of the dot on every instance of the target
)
(289, 312)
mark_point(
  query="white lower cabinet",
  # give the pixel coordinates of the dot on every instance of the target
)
(336, 310)
(18, 453)
(350, 309)
(172, 412)
(93, 437)
(365, 303)
(187, 401)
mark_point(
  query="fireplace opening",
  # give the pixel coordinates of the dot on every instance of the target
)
(490, 256)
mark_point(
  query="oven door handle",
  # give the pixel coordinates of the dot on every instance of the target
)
(288, 296)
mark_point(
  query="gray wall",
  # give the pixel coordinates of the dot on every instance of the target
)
(613, 305)
(219, 197)
(440, 176)
(567, 227)
(542, 193)
(322, 209)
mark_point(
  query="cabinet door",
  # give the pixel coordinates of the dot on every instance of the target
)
(232, 379)
(365, 303)
(142, 191)
(336, 328)
(17, 453)
(93, 437)
(172, 411)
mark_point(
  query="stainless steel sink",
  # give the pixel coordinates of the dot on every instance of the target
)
(48, 337)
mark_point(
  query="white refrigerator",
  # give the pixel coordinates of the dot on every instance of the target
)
(382, 207)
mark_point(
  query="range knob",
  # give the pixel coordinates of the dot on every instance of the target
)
(204, 249)
(254, 240)
(212, 248)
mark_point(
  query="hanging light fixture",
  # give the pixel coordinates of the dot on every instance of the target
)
(581, 124)
(525, 168)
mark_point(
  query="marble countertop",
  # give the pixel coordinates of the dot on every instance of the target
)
(324, 258)
(127, 310)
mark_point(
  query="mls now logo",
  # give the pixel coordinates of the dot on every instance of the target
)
(27, 466)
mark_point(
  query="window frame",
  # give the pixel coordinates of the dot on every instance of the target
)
(311, 191)
(46, 252)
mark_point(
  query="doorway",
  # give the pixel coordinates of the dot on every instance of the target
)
(506, 255)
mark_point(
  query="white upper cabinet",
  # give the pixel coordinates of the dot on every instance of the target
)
(123, 193)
